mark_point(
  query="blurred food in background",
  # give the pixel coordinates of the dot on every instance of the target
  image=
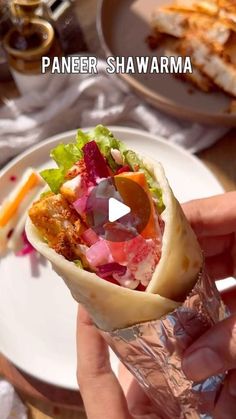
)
(13, 213)
(39, 28)
(205, 31)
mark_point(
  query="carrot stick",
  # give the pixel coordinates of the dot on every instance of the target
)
(12, 207)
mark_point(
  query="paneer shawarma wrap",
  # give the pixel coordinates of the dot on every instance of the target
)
(122, 274)
(139, 273)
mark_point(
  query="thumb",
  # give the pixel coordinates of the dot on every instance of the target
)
(213, 353)
(99, 387)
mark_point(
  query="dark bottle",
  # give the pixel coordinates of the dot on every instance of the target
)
(5, 18)
(62, 15)
(5, 25)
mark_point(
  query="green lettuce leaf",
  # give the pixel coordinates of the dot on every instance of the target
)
(78, 263)
(65, 155)
(82, 138)
(54, 178)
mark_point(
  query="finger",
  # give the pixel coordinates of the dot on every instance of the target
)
(216, 245)
(214, 216)
(220, 266)
(213, 353)
(125, 377)
(137, 400)
(226, 404)
(99, 387)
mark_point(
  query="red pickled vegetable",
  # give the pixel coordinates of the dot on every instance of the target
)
(13, 178)
(27, 248)
(95, 163)
(110, 269)
(24, 238)
(111, 279)
(123, 169)
(80, 204)
(99, 254)
(140, 287)
(89, 237)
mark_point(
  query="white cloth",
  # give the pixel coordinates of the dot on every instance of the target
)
(10, 404)
(73, 101)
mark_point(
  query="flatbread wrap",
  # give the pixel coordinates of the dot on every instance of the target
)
(142, 277)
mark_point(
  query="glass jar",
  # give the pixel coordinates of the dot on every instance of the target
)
(23, 9)
(25, 45)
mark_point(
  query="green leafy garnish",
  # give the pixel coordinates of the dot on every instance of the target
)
(54, 178)
(65, 155)
(157, 193)
(132, 159)
(82, 138)
(78, 263)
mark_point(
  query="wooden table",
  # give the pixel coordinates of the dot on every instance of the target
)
(45, 401)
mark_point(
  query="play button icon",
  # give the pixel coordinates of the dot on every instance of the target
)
(117, 209)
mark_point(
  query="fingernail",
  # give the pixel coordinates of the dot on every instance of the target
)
(201, 364)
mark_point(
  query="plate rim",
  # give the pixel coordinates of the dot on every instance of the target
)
(60, 136)
(159, 101)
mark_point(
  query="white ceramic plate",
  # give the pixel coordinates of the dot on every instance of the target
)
(123, 26)
(37, 312)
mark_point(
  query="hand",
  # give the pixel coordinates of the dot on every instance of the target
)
(214, 221)
(101, 391)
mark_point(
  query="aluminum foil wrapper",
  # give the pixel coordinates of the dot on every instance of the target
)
(152, 352)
